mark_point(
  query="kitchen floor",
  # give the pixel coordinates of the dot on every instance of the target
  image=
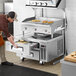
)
(48, 67)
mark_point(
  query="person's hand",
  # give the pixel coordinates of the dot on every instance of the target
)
(15, 46)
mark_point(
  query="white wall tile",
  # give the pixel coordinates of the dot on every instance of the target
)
(71, 27)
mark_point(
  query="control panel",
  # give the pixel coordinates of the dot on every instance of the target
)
(43, 2)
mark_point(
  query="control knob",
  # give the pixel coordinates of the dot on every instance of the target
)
(41, 3)
(36, 3)
(45, 4)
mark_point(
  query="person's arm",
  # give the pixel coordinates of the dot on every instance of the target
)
(9, 36)
(12, 36)
(12, 41)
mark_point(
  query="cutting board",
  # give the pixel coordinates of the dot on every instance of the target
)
(71, 57)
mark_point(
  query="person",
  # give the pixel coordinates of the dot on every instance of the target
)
(4, 20)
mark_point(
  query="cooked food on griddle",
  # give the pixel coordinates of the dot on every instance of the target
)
(22, 41)
(35, 20)
(50, 22)
(45, 21)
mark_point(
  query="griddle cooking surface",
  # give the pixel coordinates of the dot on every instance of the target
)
(39, 23)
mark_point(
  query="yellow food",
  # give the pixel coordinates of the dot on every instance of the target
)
(50, 22)
(35, 20)
(44, 21)
(21, 40)
(47, 22)
(73, 55)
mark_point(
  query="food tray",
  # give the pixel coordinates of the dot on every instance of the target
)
(71, 57)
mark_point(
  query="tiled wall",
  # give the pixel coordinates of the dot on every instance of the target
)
(71, 26)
